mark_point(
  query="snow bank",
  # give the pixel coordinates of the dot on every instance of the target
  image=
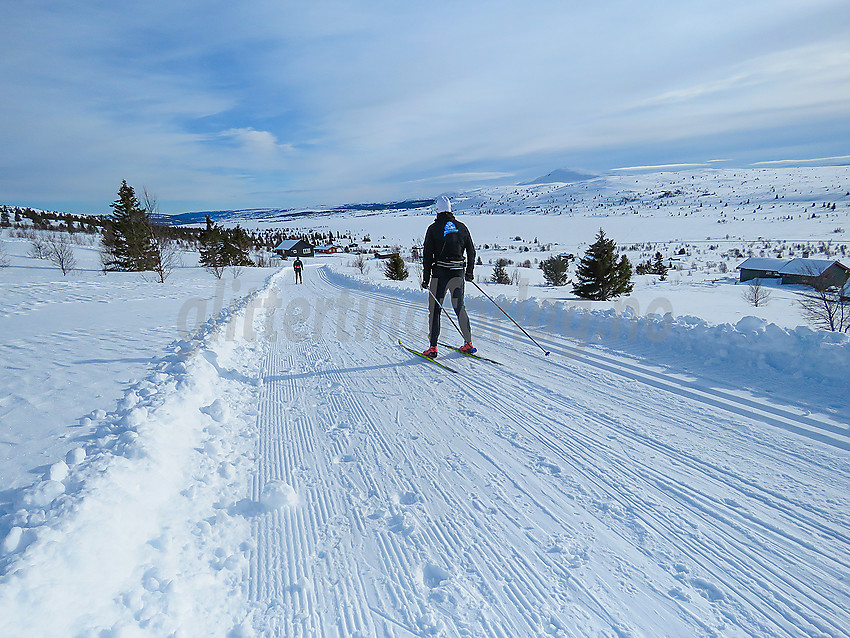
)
(120, 535)
(752, 345)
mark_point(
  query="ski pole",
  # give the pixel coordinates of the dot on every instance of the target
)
(444, 310)
(545, 351)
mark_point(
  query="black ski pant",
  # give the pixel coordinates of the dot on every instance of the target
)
(298, 276)
(444, 280)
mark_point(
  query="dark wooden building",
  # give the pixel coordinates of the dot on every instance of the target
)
(817, 273)
(294, 248)
(761, 268)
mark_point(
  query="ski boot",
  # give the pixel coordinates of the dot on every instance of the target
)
(468, 348)
(431, 352)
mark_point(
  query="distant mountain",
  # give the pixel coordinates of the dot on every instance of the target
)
(564, 175)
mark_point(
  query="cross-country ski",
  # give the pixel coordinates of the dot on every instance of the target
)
(473, 355)
(429, 359)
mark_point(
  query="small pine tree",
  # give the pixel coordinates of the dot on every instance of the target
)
(128, 239)
(500, 275)
(237, 246)
(555, 271)
(602, 274)
(222, 247)
(395, 268)
(213, 253)
(658, 267)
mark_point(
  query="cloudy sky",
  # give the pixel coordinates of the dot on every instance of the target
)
(219, 104)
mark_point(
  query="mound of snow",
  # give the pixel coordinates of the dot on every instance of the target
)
(277, 495)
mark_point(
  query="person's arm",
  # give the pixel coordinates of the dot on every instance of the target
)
(470, 256)
(427, 256)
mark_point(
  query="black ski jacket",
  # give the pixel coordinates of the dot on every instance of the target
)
(446, 241)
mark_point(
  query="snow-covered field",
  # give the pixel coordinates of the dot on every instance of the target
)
(253, 457)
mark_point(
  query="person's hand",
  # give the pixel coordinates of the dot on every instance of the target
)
(469, 277)
(424, 285)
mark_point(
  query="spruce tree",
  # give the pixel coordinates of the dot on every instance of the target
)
(500, 275)
(659, 268)
(213, 249)
(395, 268)
(128, 239)
(221, 248)
(555, 271)
(602, 274)
(237, 246)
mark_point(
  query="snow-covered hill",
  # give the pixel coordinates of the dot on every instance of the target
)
(562, 175)
(734, 199)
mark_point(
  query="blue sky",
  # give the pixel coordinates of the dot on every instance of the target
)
(214, 104)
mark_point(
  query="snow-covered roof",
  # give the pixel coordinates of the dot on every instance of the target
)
(287, 244)
(812, 267)
(763, 263)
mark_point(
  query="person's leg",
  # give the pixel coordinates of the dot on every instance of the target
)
(456, 287)
(438, 289)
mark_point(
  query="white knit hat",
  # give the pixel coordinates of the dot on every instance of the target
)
(443, 204)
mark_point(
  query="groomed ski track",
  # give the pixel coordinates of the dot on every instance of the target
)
(577, 495)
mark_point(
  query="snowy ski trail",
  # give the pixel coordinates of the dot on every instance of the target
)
(586, 495)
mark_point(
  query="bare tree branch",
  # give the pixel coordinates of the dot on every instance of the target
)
(61, 253)
(755, 294)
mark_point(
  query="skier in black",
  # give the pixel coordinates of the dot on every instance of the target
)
(446, 242)
(298, 266)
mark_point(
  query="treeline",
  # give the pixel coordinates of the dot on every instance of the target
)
(31, 219)
(25, 218)
(14, 216)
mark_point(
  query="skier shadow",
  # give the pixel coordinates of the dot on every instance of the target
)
(323, 373)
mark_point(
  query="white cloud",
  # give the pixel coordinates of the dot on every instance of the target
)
(251, 141)
(465, 177)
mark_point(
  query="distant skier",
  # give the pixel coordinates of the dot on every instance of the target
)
(298, 266)
(444, 269)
